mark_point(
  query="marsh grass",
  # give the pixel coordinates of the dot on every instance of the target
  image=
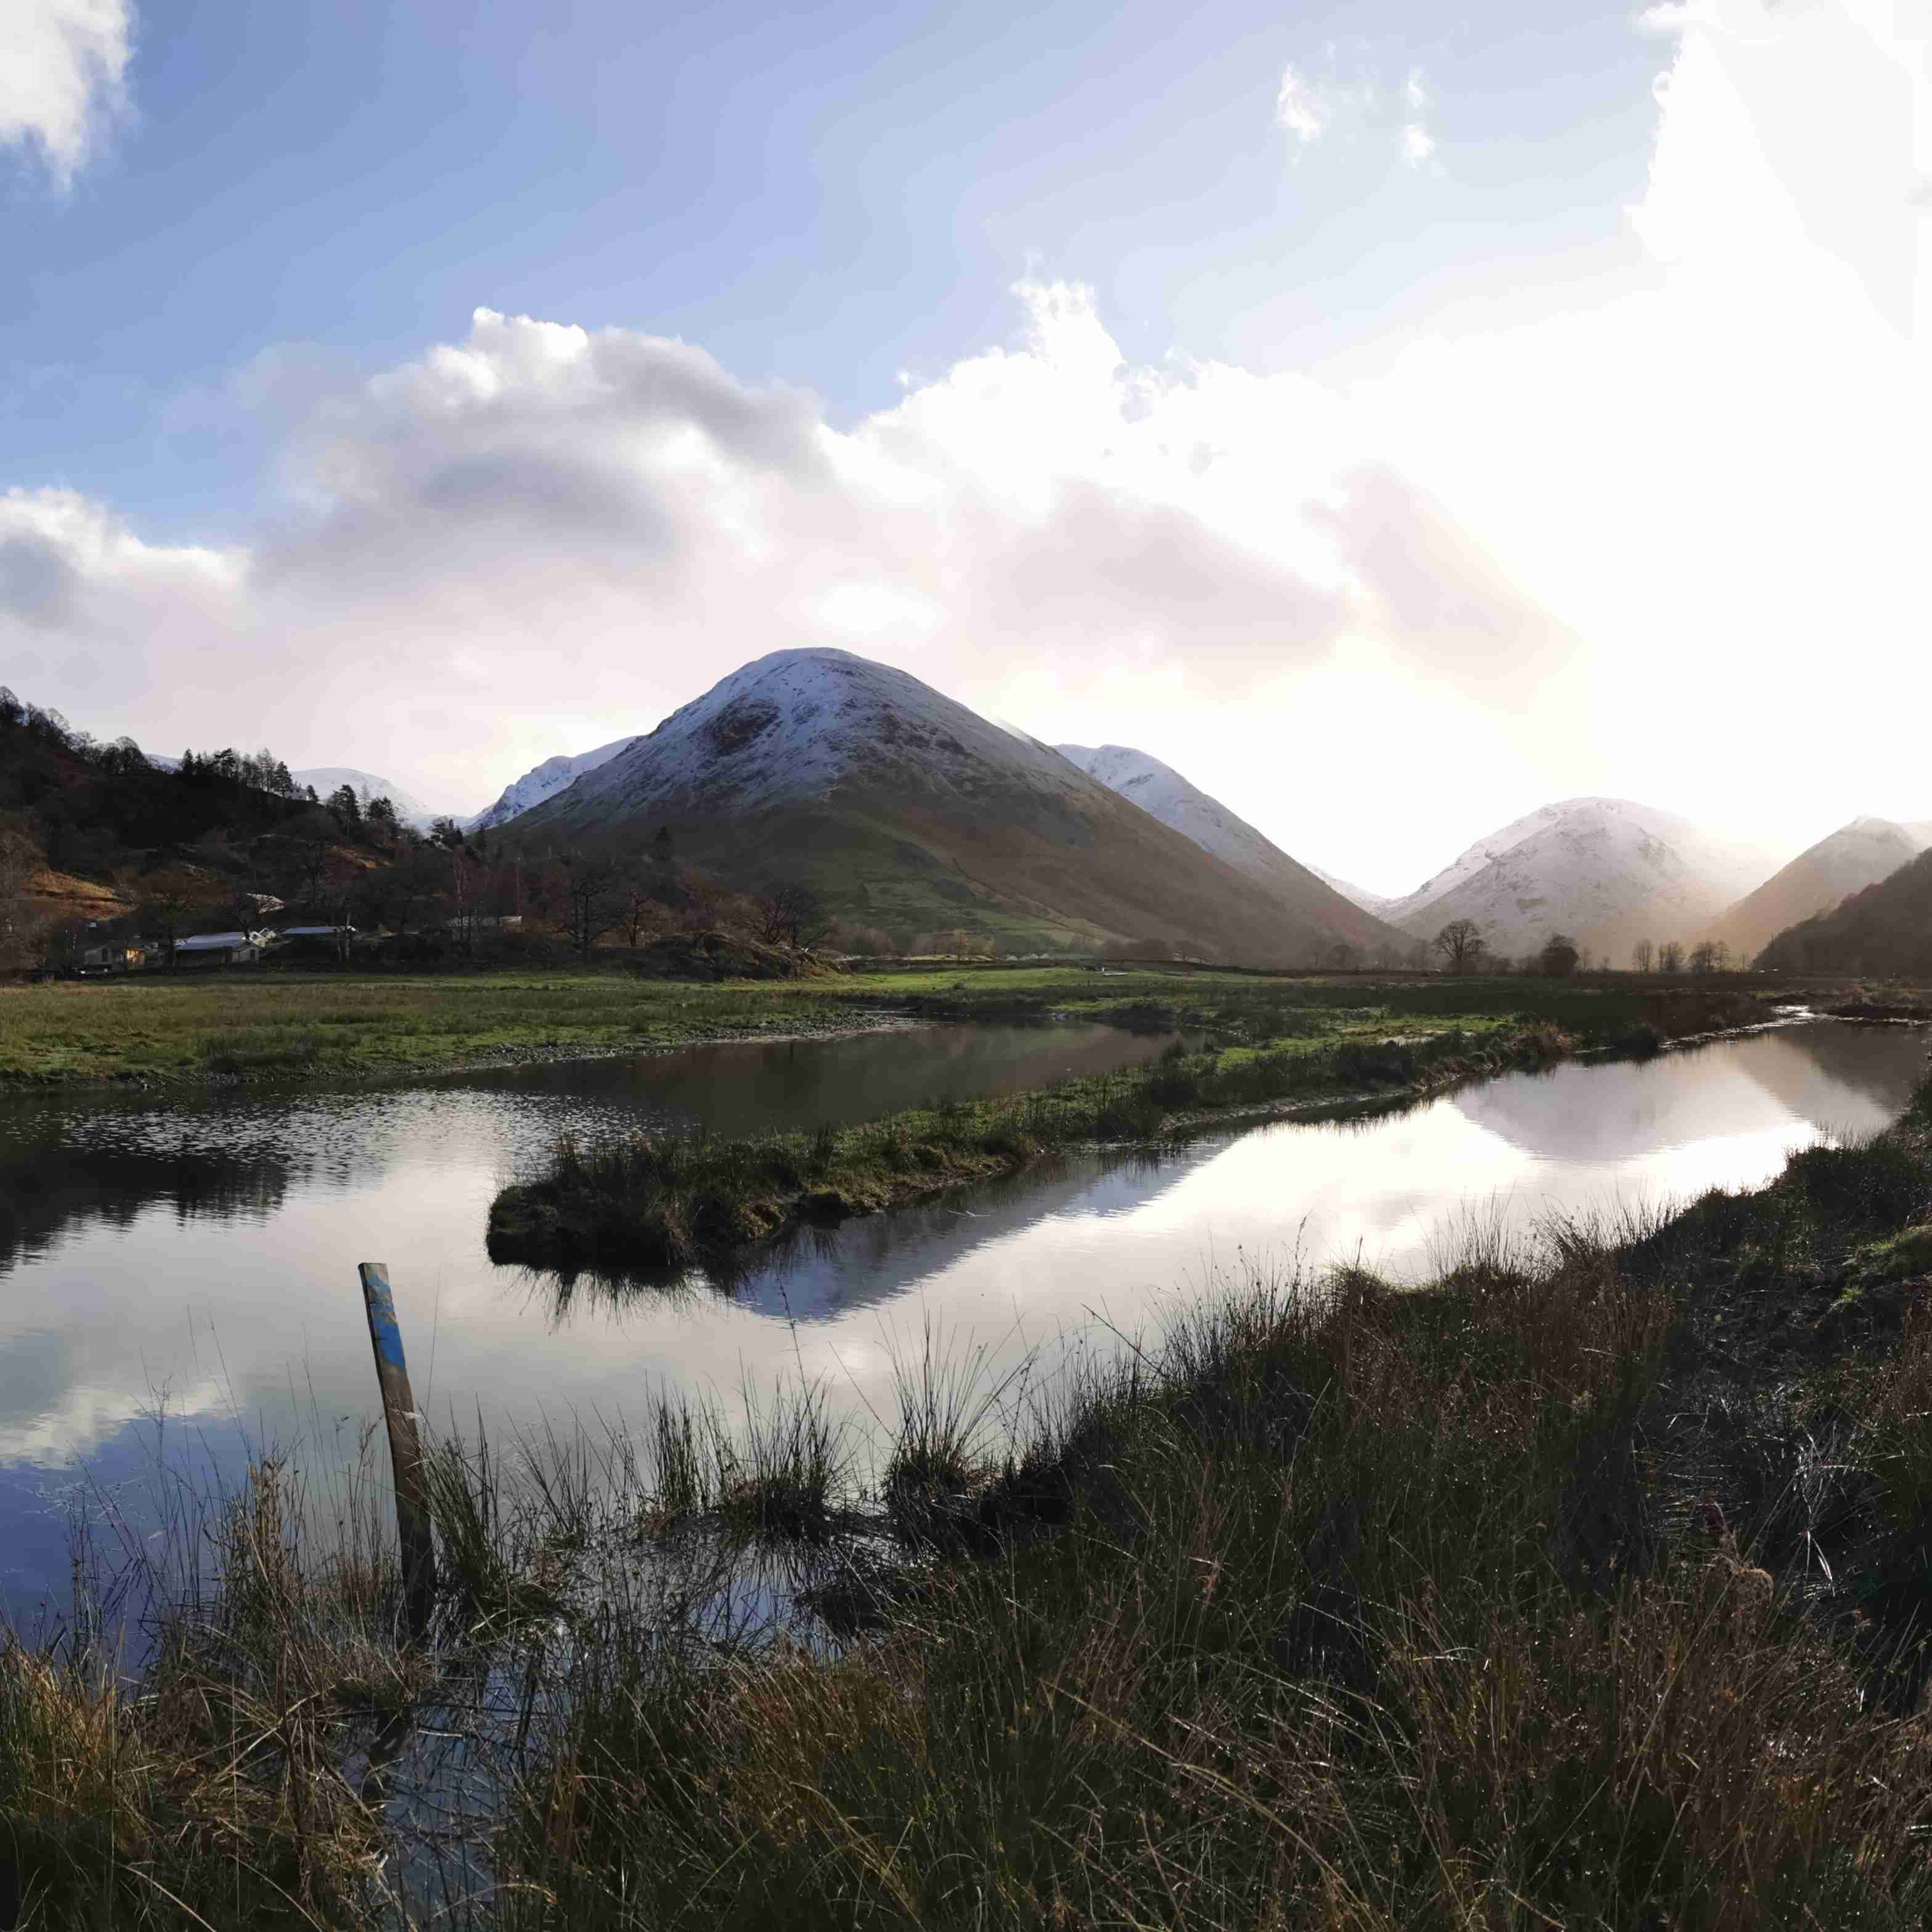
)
(264, 1049)
(666, 1201)
(180, 1025)
(1332, 1606)
(1329, 1604)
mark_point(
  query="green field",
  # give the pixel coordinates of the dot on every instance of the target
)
(328, 1025)
(335, 1026)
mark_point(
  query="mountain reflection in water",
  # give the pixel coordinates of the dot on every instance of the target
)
(203, 1258)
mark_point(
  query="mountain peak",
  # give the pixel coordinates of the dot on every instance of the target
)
(904, 806)
(1606, 871)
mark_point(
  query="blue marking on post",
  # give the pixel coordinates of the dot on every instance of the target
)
(382, 1306)
(414, 1531)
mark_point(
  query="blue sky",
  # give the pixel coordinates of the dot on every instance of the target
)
(220, 277)
(823, 196)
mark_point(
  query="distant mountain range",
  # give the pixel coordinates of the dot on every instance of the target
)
(542, 782)
(327, 778)
(944, 817)
(1884, 928)
(1856, 856)
(1606, 871)
(1161, 790)
(912, 813)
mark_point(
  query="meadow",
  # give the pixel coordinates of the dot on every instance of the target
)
(323, 1026)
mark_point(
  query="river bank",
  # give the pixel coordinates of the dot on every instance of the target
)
(661, 1203)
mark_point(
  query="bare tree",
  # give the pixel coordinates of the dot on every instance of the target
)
(1704, 957)
(1643, 956)
(1670, 956)
(592, 895)
(789, 909)
(1460, 944)
(638, 906)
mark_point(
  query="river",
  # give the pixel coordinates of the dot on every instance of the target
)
(178, 1280)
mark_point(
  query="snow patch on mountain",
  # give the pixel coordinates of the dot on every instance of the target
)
(801, 724)
(326, 778)
(1160, 790)
(1605, 870)
(1821, 878)
(1377, 903)
(545, 781)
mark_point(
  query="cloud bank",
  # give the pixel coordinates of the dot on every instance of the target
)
(1633, 545)
(540, 528)
(63, 78)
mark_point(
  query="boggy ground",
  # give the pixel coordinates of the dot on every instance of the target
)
(660, 1202)
(1587, 1587)
(1362, 1609)
(320, 1027)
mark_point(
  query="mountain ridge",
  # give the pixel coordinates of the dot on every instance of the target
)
(1177, 801)
(1861, 852)
(543, 781)
(1609, 872)
(905, 807)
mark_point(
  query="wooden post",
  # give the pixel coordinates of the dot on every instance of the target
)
(399, 1410)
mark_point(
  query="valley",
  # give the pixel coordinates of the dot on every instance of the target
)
(843, 1166)
(965, 969)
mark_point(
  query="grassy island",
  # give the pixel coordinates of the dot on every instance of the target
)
(660, 1202)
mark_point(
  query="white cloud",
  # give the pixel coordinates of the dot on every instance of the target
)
(1413, 90)
(540, 534)
(1662, 542)
(63, 77)
(1417, 145)
(1300, 108)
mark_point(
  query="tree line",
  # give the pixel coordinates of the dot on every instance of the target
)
(1462, 948)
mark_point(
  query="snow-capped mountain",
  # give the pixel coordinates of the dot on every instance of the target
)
(542, 782)
(912, 812)
(327, 778)
(1604, 871)
(1886, 927)
(1377, 903)
(1856, 856)
(1161, 790)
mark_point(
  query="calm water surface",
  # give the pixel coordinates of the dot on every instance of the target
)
(198, 1262)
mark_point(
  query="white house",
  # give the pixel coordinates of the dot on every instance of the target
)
(221, 948)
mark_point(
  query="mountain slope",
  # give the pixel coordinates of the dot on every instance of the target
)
(1856, 856)
(1605, 870)
(912, 813)
(542, 782)
(327, 778)
(1161, 790)
(1885, 928)
(1377, 903)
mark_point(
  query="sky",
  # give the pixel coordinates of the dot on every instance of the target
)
(1393, 417)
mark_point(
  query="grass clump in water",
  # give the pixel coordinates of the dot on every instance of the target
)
(1342, 1607)
(659, 1201)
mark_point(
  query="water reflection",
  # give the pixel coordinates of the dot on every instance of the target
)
(747, 1087)
(47, 1183)
(205, 1256)
(1851, 1080)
